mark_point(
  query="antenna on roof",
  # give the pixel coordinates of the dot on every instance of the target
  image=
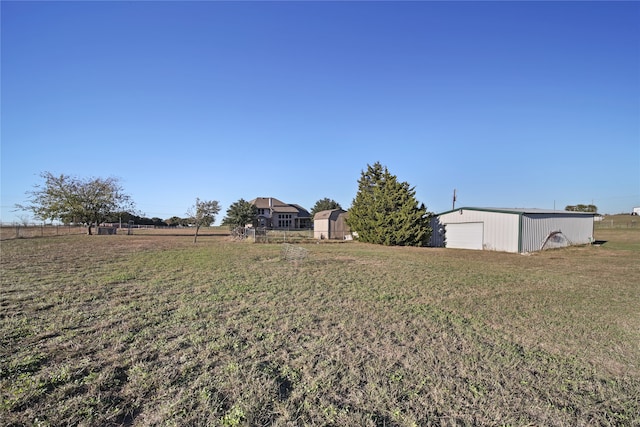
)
(454, 200)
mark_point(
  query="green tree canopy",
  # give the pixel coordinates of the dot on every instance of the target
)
(581, 208)
(76, 200)
(203, 212)
(324, 205)
(240, 214)
(385, 211)
(125, 217)
(177, 221)
(158, 222)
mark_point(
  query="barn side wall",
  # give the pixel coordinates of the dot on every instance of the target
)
(321, 228)
(501, 230)
(437, 234)
(337, 226)
(578, 229)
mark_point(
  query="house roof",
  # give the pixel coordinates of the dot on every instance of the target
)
(302, 212)
(266, 202)
(279, 206)
(520, 211)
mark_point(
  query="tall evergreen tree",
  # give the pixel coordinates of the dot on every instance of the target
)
(385, 211)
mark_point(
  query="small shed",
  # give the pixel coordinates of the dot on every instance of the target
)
(107, 231)
(331, 224)
(511, 230)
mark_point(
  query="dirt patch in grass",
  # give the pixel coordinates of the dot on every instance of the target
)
(148, 330)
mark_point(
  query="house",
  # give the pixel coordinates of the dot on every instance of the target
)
(511, 230)
(331, 224)
(273, 213)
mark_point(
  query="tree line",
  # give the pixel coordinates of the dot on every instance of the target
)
(581, 208)
(384, 211)
(91, 201)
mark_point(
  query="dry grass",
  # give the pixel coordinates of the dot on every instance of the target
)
(150, 330)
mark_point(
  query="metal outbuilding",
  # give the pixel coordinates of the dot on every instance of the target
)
(331, 224)
(511, 230)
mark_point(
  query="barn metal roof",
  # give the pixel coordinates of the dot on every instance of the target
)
(520, 211)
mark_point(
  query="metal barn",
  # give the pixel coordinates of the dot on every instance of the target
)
(331, 224)
(511, 230)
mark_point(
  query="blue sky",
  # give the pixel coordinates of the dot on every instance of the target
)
(514, 104)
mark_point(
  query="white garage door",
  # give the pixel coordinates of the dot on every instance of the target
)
(466, 235)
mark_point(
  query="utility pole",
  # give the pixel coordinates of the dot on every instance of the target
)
(453, 207)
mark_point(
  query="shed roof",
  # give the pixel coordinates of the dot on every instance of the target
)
(326, 214)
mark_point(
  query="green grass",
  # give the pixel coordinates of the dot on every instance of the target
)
(153, 330)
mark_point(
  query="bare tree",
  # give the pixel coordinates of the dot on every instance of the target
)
(203, 213)
(24, 220)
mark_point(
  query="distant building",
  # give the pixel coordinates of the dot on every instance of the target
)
(636, 211)
(331, 224)
(273, 213)
(511, 230)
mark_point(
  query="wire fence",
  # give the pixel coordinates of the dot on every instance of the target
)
(260, 235)
(19, 231)
(29, 231)
(294, 253)
(629, 221)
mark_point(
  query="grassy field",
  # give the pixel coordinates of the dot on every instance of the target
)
(151, 329)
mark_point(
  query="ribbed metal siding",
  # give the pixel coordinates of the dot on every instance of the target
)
(437, 233)
(500, 229)
(578, 229)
